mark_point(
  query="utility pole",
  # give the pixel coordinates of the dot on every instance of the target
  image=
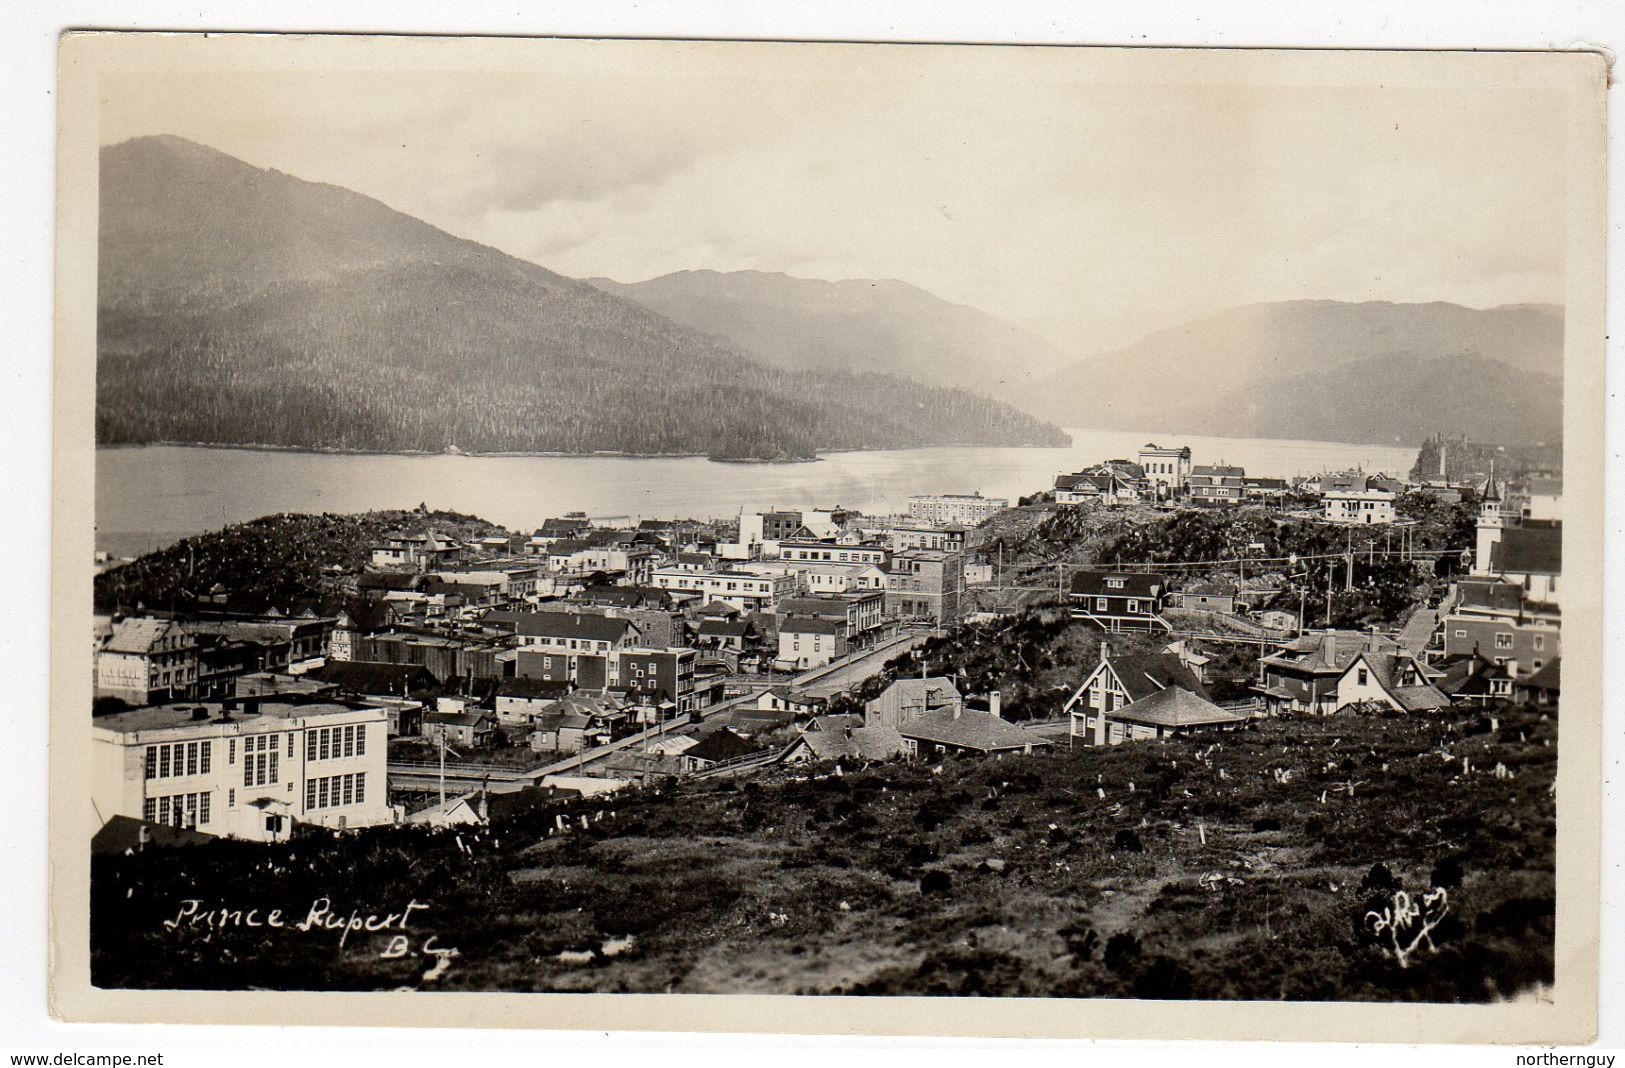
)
(1330, 569)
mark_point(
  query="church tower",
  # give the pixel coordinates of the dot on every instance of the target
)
(1491, 521)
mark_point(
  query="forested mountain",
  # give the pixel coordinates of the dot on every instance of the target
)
(852, 325)
(245, 306)
(1325, 370)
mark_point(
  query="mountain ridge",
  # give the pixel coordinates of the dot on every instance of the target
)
(885, 324)
(306, 315)
(1501, 366)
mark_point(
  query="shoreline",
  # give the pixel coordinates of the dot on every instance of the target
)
(320, 450)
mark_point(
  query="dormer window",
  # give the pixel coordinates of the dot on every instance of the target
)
(1115, 583)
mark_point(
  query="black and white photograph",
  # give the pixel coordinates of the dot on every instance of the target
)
(886, 521)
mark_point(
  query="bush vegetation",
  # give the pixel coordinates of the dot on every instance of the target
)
(1187, 869)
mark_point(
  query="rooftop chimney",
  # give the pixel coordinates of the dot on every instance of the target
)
(1328, 649)
(995, 704)
(1104, 650)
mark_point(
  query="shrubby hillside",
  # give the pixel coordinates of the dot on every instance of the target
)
(1258, 868)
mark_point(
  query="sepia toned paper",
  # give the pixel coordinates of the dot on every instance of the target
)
(92, 65)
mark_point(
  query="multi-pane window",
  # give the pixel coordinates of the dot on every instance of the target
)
(260, 754)
(332, 743)
(178, 810)
(334, 791)
(175, 759)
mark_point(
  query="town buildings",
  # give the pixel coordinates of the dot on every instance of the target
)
(1509, 610)
(243, 769)
(948, 537)
(147, 660)
(744, 590)
(1217, 484)
(806, 643)
(1118, 682)
(908, 699)
(1304, 674)
(1167, 469)
(1358, 498)
(1118, 600)
(965, 509)
(926, 585)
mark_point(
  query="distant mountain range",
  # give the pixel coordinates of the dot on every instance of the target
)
(853, 325)
(1319, 370)
(1327, 370)
(244, 306)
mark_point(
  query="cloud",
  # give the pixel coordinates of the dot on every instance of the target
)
(1096, 205)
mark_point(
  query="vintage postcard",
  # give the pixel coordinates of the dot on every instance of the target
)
(788, 537)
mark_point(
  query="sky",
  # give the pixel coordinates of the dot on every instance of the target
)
(1095, 212)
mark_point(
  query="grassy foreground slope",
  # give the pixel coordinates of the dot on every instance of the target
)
(1231, 878)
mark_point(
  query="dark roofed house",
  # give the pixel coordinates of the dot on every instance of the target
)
(1118, 600)
(1394, 679)
(625, 597)
(126, 834)
(520, 700)
(381, 583)
(1209, 597)
(846, 742)
(472, 728)
(1303, 674)
(716, 747)
(1171, 711)
(1216, 484)
(1467, 679)
(588, 633)
(370, 679)
(1119, 681)
(1541, 688)
(963, 731)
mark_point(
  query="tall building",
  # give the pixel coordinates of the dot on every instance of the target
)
(146, 660)
(926, 584)
(248, 768)
(1167, 469)
(967, 509)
